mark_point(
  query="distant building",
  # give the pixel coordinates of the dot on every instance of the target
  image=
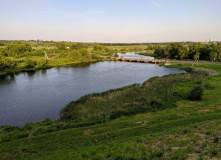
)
(204, 42)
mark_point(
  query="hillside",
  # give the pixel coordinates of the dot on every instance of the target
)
(155, 120)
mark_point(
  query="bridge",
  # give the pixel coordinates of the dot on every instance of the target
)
(140, 60)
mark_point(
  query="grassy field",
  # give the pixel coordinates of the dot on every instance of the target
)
(154, 120)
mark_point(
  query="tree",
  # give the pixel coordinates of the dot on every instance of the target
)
(19, 50)
(29, 63)
(85, 55)
(206, 53)
(98, 47)
(78, 46)
(41, 62)
(160, 52)
(5, 63)
(61, 45)
(75, 55)
(149, 47)
(177, 51)
(216, 52)
(193, 52)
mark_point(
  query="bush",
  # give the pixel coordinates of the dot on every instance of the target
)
(157, 154)
(30, 64)
(196, 93)
(209, 86)
(189, 69)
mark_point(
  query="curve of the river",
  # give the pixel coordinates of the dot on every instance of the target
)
(34, 96)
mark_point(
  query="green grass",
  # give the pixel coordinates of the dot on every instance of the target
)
(147, 53)
(189, 129)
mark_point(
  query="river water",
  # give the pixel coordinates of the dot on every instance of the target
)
(34, 96)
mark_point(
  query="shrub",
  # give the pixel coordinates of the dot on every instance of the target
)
(30, 64)
(196, 93)
(209, 86)
(189, 69)
(216, 139)
(157, 153)
(213, 151)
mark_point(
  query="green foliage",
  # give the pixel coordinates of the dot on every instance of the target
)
(77, 46)
(5, 63)
(20, 50)
(196, 93)
(41, 62)
(216, 139)
(156, 154)
(213, 151)
(189, 69)
(30, 63)
(180, 52)
(61, 45)
(160, 52)
(209, 86)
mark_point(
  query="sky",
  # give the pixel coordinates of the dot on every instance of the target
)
(111, 21)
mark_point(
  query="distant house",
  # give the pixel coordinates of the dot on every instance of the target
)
(204, 42)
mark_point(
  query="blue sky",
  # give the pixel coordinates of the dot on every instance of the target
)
(110, 20)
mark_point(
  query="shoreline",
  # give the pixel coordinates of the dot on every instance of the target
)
(179, 66)
(86, 95)
(14, 71)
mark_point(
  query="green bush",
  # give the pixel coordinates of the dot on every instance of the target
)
(30, 64)
(189, 69)
(196, 93)
(209, 86)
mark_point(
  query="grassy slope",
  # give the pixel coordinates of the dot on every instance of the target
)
(191, 130)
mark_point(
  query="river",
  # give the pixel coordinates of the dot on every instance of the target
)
(34, 96)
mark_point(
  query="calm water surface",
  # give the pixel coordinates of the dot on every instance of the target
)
(34, 96)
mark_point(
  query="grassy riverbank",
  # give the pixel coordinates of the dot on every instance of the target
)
(154, 120)
(22, 67)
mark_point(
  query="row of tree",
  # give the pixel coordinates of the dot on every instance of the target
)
(20, 50)
(180, 52)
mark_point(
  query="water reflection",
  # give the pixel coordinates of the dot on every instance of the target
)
(31, 73)
(43, 71)
(7, 79)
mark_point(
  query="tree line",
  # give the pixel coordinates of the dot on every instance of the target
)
(209, 52)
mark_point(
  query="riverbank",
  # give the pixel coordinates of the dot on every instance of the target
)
(50, 64)
(152, 120)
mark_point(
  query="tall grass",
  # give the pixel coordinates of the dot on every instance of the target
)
(153, 95)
